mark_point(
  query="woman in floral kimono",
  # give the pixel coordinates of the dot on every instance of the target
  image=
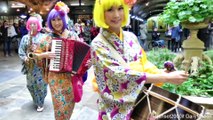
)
(120, 64)
(61, 83)
(35, 83)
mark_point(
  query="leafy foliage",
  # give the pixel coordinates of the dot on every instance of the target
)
(159, 56)
(197, 85)
(209, 53)
(187, 11)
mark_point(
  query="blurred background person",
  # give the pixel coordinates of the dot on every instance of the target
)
(143, 33)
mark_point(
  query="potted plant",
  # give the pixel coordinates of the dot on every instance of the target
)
(187, 11)
(194, 15)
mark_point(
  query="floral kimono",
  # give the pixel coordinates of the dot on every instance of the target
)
(35, 84)
(119, 84)
(60, 83)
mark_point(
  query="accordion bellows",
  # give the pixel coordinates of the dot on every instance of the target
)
(71, 56)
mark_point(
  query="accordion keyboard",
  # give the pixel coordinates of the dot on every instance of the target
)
(56, 48)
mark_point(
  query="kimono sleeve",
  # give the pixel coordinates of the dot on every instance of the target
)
(45, 44)
(143, 64)
(23, 48)
(113, 77)
(147, 66)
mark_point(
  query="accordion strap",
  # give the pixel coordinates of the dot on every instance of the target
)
(114, 53)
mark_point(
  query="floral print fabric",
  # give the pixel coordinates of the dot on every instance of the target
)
(35, 84)
(119, 86)
(60, 83)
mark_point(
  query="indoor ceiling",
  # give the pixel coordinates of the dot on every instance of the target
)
(77, 2)
(40, 6)
(142, 9)
(147, 8)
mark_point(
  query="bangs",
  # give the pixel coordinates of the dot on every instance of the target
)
(55, 15)
(33, 20)
(109, 3)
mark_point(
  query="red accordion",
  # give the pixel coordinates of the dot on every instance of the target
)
(71, 56)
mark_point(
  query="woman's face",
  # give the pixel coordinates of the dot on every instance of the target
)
(6, 24)
(33, 28)
(114, 17)
(57, 24)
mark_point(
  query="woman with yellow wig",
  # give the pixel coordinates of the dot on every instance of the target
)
(120, 65)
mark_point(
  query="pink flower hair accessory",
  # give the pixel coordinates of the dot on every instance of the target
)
(130, 3)
(62, 8)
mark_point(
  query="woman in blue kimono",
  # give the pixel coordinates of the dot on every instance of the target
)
(120, 64)
(29, 44)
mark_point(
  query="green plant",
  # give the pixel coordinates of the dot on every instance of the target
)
(197, 85)
(209, 53)
(159, 56)
(187, 11)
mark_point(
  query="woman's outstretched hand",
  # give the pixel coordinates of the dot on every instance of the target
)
(177, 77)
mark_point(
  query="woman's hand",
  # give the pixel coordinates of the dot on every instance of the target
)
(89, 63)
(49, 55)
(26, 60)
(177, 77)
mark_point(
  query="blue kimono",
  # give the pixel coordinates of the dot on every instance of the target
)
(35, 84)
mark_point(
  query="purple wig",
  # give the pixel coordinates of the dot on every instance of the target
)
(53, 14)
(34, 20)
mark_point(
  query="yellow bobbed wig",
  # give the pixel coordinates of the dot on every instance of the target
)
(103, 5)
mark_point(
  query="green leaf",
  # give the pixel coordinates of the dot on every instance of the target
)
(203, 6)
(195, 8)
(176, 22)
(192, 19)
(203, 76)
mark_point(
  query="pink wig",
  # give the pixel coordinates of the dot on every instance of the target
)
(34, 20)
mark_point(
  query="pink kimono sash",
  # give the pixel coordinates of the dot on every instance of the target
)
(77, 83)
